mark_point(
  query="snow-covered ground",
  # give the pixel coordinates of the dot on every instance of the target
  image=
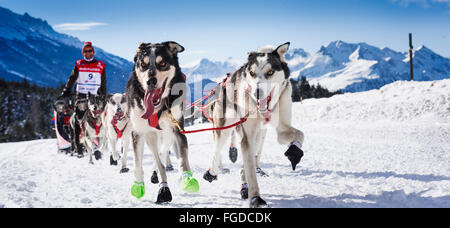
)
(380, 148)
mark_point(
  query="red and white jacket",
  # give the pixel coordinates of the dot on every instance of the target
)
(89, 76)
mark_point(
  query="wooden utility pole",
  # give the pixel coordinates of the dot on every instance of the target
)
(411, 57)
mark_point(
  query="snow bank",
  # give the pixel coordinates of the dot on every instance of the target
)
(386, 159)
(398, 101)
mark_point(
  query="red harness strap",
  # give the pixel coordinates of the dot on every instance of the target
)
(118, 131)
(97, 128)
(153, 121)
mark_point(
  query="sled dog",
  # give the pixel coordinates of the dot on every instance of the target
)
(259, 92)
(117, 127)
(94, 135)
(155, 94)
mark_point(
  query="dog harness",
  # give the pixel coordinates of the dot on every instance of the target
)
(89, 76)
(114, 124)
(266, 114)
(154, 121)
(118, 131)
(97, 127)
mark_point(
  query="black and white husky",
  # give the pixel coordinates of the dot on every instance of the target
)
(94, 137)
(260, 93)
(117, 127)
(155, 94)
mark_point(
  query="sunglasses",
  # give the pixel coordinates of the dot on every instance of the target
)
(88, 51)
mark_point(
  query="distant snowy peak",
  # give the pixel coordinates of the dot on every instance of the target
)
(22, 27)
(207, 69)
(360, 66)
(31, 49)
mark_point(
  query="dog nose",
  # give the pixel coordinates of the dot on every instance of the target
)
(259, 93)
(152, 82)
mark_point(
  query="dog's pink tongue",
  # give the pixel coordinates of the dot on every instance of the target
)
(148, 103)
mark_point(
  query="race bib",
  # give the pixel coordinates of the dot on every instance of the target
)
(88, 82)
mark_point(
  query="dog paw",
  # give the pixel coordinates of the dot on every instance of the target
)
(188, 183)
(97, 155)
(244, 192)
(138, 190)
(154, 178)
(294, 154)
(112, 161)
(169, 167)
(233, 153)
(124, 170)
(257, 202)
(164, 195)
(209, 177)
(261, 172)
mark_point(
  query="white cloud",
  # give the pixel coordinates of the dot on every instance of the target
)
(77, 26)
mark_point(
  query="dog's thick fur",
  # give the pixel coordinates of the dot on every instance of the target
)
(247, 94)
(157, 61)
(117, 125)
(94, 137)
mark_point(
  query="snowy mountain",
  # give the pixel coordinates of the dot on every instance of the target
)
(212, 70)
(360, 67)
(32, 50)
(396, 155)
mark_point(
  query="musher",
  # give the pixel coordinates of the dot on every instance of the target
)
(90, 76)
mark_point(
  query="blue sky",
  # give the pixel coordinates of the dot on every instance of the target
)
(221, 29)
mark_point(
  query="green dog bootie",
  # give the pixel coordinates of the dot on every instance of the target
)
(138, 189)
(188, 183)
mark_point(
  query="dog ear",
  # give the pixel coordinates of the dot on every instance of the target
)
(108, 97)
(251, 55)
(282, 49)
(174, 47)
(141, 46)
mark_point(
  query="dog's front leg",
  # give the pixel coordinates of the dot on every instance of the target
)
(138, 189)
(260, 142)
(89, 147)
(220, 139)
(125, 146)
(288, 134)
(188, 183)
(248, 156)
(153, 142)
(112, 142)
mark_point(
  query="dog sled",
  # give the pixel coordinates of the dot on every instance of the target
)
(61, 119)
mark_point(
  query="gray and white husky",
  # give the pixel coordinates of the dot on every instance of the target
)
(155, 94)
(94, 136)
(117, 127)
(260, 93)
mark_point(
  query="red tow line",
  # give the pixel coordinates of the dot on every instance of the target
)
(215, 128)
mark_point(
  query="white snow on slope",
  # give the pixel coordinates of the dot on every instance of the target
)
(381, 148)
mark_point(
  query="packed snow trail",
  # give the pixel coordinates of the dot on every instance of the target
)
(370, 149)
